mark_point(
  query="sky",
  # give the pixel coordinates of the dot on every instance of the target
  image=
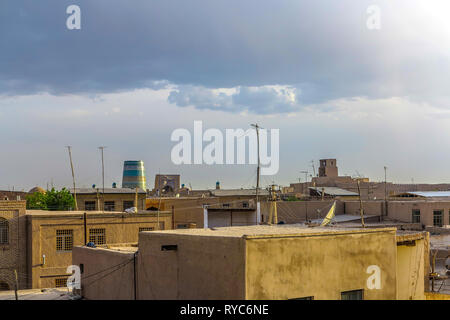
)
(137, 70)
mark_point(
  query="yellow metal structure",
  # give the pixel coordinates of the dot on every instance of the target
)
(330, 215)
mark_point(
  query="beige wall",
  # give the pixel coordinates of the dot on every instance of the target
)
(299, 211)
(202, 268)
(118, 198)
(226, 218)
(13, 254)
(402, 210)
(107, 274)
(410, 271)
(373, 207)
(190, 210)
(321, 266)
(119, 228)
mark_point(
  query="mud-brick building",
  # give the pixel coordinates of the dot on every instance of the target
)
(109, 199)
(261, 262)
(13, 243)
(38, 244)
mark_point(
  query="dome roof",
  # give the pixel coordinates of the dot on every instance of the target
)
(37, 189)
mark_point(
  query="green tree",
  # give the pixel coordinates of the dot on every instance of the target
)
(51, 200)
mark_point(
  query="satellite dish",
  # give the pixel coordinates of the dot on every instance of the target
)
(330, 215)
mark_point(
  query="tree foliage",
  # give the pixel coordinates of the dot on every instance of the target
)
(51, 200)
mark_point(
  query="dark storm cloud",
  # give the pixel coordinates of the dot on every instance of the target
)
(321, 48)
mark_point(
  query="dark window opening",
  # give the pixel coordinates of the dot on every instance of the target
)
(109, 206)
(416, 216)
(4, 231)
(64, 240)
(127, 205)
(97, 236)
(352, 295)
(61, 282)
(89, 205)
(437, 218)
(170, 247)
(303, 298)
(4, 286)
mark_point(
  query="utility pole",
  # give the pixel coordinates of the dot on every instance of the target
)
(85, 227)
(306, 180)
(136, 199)
(73, 177)
(361, 210)
(273, 216)
(257, 127)
(160, 194)
(103, 178)
(385, 192)
(16, 284)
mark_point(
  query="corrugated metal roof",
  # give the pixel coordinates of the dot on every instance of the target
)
(333, 191)
(341, 218)
(238, 192)
(428, 194)
(107, 190)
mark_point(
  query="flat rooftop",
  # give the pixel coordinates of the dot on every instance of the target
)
(39, 294)
(81, 213)
(269, 231)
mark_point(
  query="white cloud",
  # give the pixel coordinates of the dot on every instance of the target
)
(269, 99)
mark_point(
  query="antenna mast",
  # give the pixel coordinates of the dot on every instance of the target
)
(73, 178)
(361, 210)
(314, 169)
(103, 178)
(257, 127)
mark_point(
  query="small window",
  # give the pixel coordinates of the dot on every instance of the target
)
(109, 206)
(64, 240)
(97, 236)
(245, 204)
(352, 295)
(437, 218)
(183, 226)
(146, 229)
(89, 205)
(225, 205)
(61, 282)
(4, 286)
(127, 205)
(170, 247)
(303, 298)
(4, 231)
(416, 216)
